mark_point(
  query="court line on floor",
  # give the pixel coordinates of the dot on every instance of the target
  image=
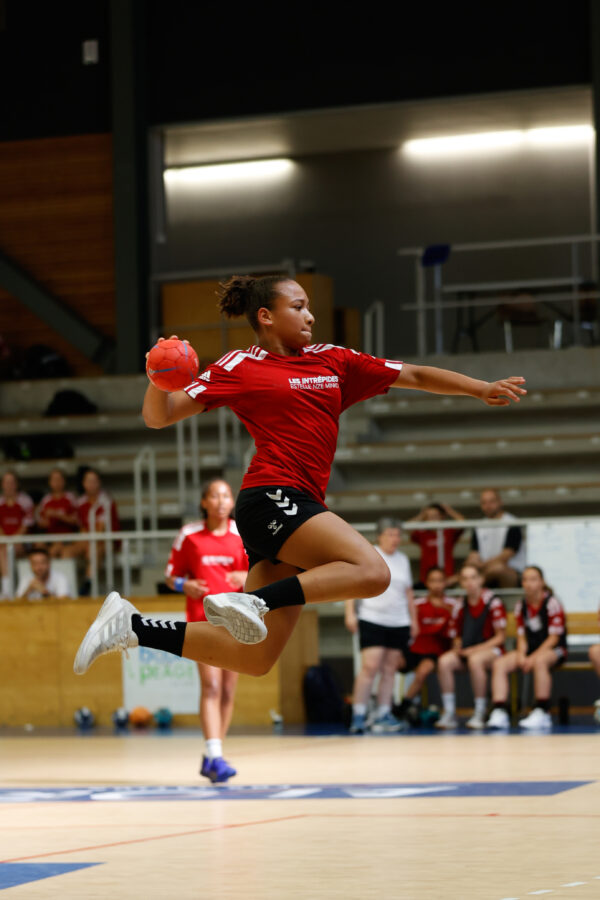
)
(156, 837)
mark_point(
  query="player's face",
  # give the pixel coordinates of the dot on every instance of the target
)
(91, 484)
(9, 485)
(56, 482)
(533, 583)
(390, 539)
(432, 514)
(218, 501)
(291, 318)
(435, 584)
(40, 565)
(490, 504)
(471, 581)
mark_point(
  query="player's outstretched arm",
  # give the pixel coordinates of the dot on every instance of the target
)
(161, 409)
(443, 381)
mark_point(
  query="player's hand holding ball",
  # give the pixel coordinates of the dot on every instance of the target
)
(172, 364)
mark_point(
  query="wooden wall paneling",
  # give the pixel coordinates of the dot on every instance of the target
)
(56, 222)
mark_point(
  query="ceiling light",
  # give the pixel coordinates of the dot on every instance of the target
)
(484, 141)
(567, 134)
(463, 143)
(223, 173)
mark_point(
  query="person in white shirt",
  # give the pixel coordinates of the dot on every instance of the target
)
(499, 553)
(42, 582)
(386, 624)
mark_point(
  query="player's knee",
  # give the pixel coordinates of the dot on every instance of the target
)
(227, 694)
(210, 688)
(374, 578)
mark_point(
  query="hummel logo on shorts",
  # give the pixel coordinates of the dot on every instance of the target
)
(283, 504)
(274, 526)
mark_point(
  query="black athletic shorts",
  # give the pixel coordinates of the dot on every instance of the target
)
(372, 635)
(267, 516)
(413, 660)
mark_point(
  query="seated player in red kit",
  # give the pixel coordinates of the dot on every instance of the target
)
(427, 539)
(478, 632)
(434, 613)
(16, 516)
(541, 647)
(57, 512)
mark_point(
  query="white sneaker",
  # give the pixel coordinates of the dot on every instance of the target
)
(537, 720)
(241, 614)
(447, 720)
(499, 719)
(476, 722)
(597, 712)
(110, 630)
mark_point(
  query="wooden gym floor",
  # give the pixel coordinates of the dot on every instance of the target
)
(417, 817)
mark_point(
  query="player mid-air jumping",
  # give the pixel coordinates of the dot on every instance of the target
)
(289, 394)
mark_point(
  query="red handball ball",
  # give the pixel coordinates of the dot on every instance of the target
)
(172, 365)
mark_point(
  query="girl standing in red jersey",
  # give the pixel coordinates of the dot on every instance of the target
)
(208, 557)
(434, 614)
(289, 393)
(541, 647)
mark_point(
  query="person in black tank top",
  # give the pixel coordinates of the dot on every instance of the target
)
(478, 632)
(541, 647)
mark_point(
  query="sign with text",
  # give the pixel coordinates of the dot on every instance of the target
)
(154, 678)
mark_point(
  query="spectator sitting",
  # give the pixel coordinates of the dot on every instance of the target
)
(434, 613)
(478, 631)
(541, 647)
(42, 582)
(57, 512)
(498, 552)
(16, 516)
(102, 507)
(428, 542)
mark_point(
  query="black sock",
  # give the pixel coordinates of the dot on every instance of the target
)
(160, 634)
(287, 592)
(504, 706)
(543, 704)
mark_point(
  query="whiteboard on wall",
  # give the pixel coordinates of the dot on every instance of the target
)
(155, 679)
(569, 555)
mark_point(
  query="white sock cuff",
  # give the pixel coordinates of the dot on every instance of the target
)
(214, 748)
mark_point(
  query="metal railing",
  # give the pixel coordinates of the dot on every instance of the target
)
(374, 329)
(572, 279)
(127, 560)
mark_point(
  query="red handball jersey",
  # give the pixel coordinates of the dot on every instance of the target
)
(49, 504)
(427, 541)
(434, 622)
(106, 514)
(199, 553)
(484, 618)
(291, 406)
(15, 513)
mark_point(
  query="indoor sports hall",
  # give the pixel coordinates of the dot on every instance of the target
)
(202, 211)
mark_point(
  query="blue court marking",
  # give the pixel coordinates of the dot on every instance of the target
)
(13, 874)
(291, 791)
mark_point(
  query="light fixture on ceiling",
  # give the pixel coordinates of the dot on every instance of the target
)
(227, 173)
(484, 141)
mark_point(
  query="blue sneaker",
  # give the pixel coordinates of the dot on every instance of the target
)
(388, 724)
(217, 770)
(358, 724)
